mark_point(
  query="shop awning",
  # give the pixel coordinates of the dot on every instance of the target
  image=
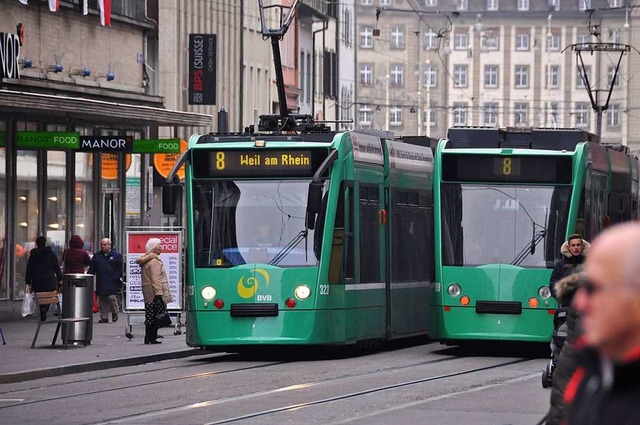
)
(97, 111)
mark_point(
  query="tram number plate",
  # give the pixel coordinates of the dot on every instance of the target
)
(324, 289)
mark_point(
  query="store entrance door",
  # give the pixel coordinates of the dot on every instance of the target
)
(111, 222)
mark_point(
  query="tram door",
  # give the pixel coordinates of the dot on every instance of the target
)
(111, 226)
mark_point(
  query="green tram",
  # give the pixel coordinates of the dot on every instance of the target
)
(306, 239)
(505, 201)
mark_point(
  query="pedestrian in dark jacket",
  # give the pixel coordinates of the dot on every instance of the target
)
(106, 265)
(573, 253)
(605, 387)
(43, 272)
(566, 362)
(75, 259)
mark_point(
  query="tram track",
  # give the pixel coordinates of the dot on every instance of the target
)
(163, 381)
(134, 418)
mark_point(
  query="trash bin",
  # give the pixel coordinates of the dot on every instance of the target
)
(77, 301)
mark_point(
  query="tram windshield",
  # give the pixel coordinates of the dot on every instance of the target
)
(249, 221)
(496, 224)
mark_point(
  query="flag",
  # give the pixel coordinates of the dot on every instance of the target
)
(85, 7)
(54, 5)
(24, 1)
(105, 12)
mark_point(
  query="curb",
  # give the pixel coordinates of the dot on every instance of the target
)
(28, 375)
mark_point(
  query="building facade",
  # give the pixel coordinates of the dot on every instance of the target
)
(499, 63)
(76, 98)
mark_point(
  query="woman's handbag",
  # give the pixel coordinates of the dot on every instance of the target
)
(162, 317)
(28, 305)
(163, 320)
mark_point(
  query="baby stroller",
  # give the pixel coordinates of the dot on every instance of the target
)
(560, 330)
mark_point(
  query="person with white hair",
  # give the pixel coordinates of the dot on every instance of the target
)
(155, 289)
(605, 387)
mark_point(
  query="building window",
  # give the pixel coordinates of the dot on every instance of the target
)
(491, 76)
(395, 116)
(553, 76)
(612, 73)
(580, 81)
(523, 5)
(365, 114)
(460, 75)
(462, 5)
(615, 3)
(430, 76)
(521, 112)
(366, 37)
(490, 40)
(493, 5)
(429, 117)
(583, 38)
(614, 36)
(397, 38)
(582, 114)
(430, 40)
(522, 41)
(430, 3)
(461, 41)
(613, 115)
(552, 115)
(366, 2)
(397, 74)
(584, 5)
(554, 4)
(385, 2)
(553, 43)
(522, 76)
(459, 114)
(491, 114)
(366, 73)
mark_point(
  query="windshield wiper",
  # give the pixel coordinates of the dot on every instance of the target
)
(289, 247)
(530, 248)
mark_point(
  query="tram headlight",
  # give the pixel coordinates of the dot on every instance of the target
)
(302, 292)
(454, 290)
(208, 293)
(544, 292)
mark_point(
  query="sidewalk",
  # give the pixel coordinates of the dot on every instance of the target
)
(109, 348)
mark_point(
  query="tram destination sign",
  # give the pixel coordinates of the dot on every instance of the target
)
(507, 168)
(253, 163)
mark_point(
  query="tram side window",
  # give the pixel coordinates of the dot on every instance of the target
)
(452, 232)
(349, 230)
(410, 236)
(599, 208)
(337, 242)
(369, 234)
(618, 208)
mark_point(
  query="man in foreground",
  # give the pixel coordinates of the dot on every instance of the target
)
(605, 387)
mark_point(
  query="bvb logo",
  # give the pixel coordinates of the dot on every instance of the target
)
(249, 289)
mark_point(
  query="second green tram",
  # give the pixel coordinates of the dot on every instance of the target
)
(306, 239)
(505, 201)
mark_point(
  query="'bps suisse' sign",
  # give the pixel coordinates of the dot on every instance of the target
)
(202, 69)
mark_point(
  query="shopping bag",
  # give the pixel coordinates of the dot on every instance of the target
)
(96, 307)
(28, 305)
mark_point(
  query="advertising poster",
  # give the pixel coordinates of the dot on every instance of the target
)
(170, 256)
